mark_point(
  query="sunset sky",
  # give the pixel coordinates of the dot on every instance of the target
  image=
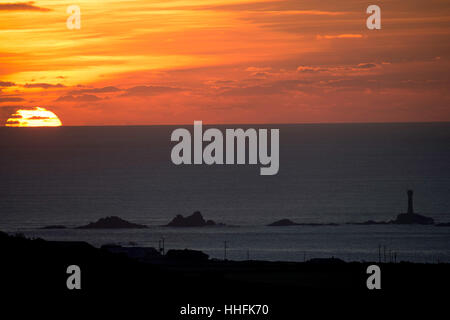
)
(136, 62)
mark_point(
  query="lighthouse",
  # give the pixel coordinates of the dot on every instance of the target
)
(410, 201)
(410, 217)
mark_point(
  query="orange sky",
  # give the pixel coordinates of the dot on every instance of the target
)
(226, 61)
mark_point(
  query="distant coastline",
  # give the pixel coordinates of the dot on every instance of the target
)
(197, 220)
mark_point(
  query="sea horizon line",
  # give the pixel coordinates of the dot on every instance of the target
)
(245, 124)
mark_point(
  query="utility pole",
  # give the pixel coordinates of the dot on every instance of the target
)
(161, 246)
(224, 250)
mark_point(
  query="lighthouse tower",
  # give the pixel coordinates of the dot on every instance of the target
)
(410, 201)
(410, 217)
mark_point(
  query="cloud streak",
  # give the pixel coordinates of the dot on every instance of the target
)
(7, 84)
(81, 98)
(11, 99)
(142, 91)
(339, 36)
(43, 85)
(108, 89)
(22, 6)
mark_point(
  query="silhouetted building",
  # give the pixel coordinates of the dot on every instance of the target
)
(187, 255)
(140, 253)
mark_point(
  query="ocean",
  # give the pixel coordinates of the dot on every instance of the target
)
(329, 173)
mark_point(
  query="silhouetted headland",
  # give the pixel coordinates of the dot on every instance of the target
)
(112, 223)
(187, 255)
(152, 255)
(194, 220)
(138, 253)
(331, 260)
(181, 275)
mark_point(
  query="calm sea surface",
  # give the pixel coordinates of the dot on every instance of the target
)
(328, 173)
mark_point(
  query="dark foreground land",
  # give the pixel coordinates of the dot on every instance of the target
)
(36, 269)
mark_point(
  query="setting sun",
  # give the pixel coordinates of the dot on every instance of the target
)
(33, 117)
(145, 62)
